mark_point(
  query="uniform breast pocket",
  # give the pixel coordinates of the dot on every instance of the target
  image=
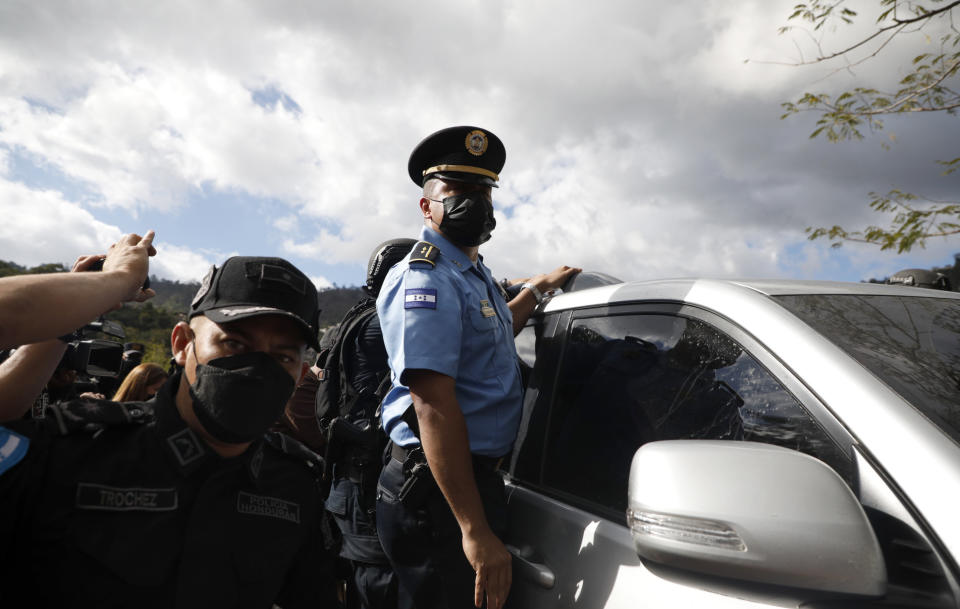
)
(139, 549)
(484, 319)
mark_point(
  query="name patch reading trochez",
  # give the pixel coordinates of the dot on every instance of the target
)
(114, 499)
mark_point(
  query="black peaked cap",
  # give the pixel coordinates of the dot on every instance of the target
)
(460, 154)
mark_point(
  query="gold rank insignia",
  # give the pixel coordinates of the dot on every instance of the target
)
(424, 251)
(476, 142)
(486, 309)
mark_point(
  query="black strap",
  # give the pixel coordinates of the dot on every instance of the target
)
(400, 453)
(480, 462)
(336, 364)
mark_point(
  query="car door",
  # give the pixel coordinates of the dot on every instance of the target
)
(605, 381)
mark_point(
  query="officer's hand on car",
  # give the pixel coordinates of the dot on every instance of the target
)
(556, 278)
(492, 563)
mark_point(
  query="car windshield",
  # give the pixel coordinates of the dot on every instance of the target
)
(911, 343)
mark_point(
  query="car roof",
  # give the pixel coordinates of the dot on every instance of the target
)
(705, 291)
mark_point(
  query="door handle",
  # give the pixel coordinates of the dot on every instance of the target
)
(538, 573)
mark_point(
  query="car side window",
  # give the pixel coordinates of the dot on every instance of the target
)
(630, 379)
(526, 343)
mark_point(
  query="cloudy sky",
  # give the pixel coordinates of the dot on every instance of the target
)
(638, 140)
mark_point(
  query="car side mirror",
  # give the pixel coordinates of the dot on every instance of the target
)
(747, 515)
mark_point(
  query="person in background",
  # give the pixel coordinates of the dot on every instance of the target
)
(141, 383)
(357, 459)
(37, 309)
(921, 278)
(132, 357)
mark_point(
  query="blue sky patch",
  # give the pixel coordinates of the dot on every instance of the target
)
(270, 95)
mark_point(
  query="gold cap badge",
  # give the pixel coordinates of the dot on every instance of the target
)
(476, 142)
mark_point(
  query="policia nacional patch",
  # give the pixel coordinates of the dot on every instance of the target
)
(271, 507)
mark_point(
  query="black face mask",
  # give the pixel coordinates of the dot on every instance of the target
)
(467, 219)
(237, 398)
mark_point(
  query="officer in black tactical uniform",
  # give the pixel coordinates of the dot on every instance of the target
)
(359, 443)
(182, 501)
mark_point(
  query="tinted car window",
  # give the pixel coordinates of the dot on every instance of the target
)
(631, 379)
(526, 343)
(912, 344)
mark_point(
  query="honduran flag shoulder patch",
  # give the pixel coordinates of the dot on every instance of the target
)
(420, 298)
(13, 447)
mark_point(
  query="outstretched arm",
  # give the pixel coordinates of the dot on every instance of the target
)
(34, 308)
(24, 374)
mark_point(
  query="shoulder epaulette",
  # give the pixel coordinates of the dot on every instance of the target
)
(89, 415)
(424, 251)
(295, 449)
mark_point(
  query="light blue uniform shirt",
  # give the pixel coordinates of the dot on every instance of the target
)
(452, 319)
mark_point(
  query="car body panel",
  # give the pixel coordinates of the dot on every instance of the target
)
(926, 473)
(919, 462)
(594, 562)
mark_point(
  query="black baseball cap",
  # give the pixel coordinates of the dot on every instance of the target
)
(247, 286)
(459, 154)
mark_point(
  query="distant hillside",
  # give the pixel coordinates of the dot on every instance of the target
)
(335, 302)
(12, 268)
(173, 295)
(176, 297)
(151, 322)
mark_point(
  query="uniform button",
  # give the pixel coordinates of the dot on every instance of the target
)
(135, 412)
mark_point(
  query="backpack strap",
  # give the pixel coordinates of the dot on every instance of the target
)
(335, 395)
(348, 394)
(90, 415)
(294, 449)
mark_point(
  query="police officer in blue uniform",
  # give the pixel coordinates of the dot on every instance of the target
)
(184, 500)
(454, 408)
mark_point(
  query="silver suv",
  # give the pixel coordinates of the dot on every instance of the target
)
(706, 443)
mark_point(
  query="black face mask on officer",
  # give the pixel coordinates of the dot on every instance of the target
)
(237, 398)
(467, 219)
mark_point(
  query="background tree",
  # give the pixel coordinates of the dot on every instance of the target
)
(150, 322)
(931, 85)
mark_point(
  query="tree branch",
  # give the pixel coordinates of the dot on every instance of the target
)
(898, 25)
(926, 16)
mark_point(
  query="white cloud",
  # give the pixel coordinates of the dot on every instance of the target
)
(287, 224)
(639, 143)
(183, 264)
(321, 282)
(40, 226)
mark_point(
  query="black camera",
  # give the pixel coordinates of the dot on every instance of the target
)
(92, 356)
(98, 266)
